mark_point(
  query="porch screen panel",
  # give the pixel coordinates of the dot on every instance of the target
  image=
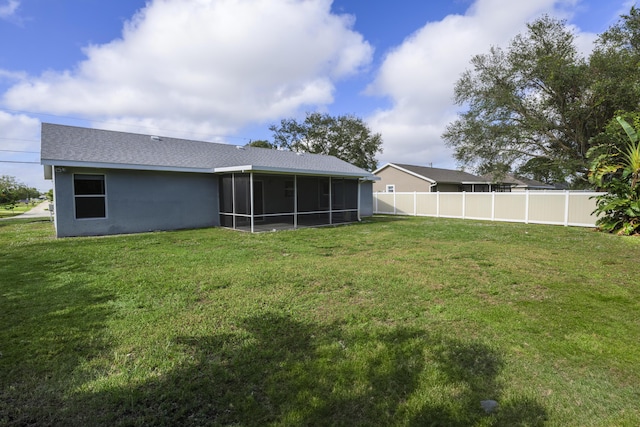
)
(344, 193)
(242, 194)
(273, 194)
(226, 193)
(350, 194)
(313, 219)
(313, 194)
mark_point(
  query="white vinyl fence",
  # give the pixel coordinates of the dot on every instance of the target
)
(568, 208)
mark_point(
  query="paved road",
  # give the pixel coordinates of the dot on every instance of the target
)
(39, 211)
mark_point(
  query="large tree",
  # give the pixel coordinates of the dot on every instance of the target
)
(346, 137)
(534, 107)
(614, 65)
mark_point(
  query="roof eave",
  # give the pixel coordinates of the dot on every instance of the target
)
(417, 175)
(104, 165)
(291, 171)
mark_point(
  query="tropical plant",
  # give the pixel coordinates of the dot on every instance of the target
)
(617, 171)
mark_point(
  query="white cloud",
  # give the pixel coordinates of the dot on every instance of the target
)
(20, 142)
(8, 9)
(211, 65)
(419, 75)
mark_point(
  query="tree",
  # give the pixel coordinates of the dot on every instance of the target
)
(260, 143)
(616, 170)
(535, 106)
(614, 65)
(11, 190)
(346, 137)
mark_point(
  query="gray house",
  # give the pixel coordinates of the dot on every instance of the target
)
(108, 182)
(522, 183)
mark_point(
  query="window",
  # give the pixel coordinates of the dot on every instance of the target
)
(90, 196)
(391, 188)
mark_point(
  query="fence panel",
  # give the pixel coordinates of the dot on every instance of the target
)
(539, 207)
(405, 204)
(547, 208)
(450, 205)
(384, 203)
(580, 209)
(427, 204)
(510, 207)
(476, 206)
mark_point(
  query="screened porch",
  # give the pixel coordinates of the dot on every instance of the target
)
(265, 202)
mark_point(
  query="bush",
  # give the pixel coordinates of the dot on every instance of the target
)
(617, 171)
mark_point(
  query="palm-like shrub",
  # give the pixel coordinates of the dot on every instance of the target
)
(616, 170)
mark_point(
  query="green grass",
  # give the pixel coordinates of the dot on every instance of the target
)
(18, 208)
(393, 321)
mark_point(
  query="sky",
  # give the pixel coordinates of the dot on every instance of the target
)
(225, 70)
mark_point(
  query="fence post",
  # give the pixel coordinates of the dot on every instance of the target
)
(415, 203)
(526, 207)
(493, 206)
(464, 204)
(566, 208)
(437, 204)
(395, 210)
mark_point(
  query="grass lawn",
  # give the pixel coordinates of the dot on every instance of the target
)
(19, 208)
(394, 321)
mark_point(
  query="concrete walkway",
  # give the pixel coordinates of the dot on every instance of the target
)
(38, 211)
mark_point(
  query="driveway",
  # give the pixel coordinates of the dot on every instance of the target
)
(39, 211)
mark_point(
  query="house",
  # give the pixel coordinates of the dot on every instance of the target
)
(108, 182)
(525, 184)
(396, 177)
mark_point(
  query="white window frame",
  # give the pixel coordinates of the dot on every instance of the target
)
(76, 196)
(391, 188)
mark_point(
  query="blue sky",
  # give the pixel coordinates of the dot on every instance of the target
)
(223, 70)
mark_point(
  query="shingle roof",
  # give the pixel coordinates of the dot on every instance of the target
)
(441, 175)
(76, 146)
(520, 182)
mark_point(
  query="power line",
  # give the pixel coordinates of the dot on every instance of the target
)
(16, 161)
(19, 139)
(19, 151)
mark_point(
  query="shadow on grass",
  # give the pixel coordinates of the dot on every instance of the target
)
(278, 371)
(50, 323)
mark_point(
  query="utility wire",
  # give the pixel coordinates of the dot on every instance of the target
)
(19, 151)
(19, 139)
(16, 161)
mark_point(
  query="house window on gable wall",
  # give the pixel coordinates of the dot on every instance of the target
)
(391, 188)
(89, 196)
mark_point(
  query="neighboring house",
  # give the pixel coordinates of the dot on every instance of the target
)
(396, 177)
(521, 183)
(108, 182)
(524, 184)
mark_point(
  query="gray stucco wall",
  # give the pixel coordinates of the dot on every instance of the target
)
(366, 198)
(139, 201)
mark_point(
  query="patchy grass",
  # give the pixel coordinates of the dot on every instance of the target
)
(393, 321)
(7, 211)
